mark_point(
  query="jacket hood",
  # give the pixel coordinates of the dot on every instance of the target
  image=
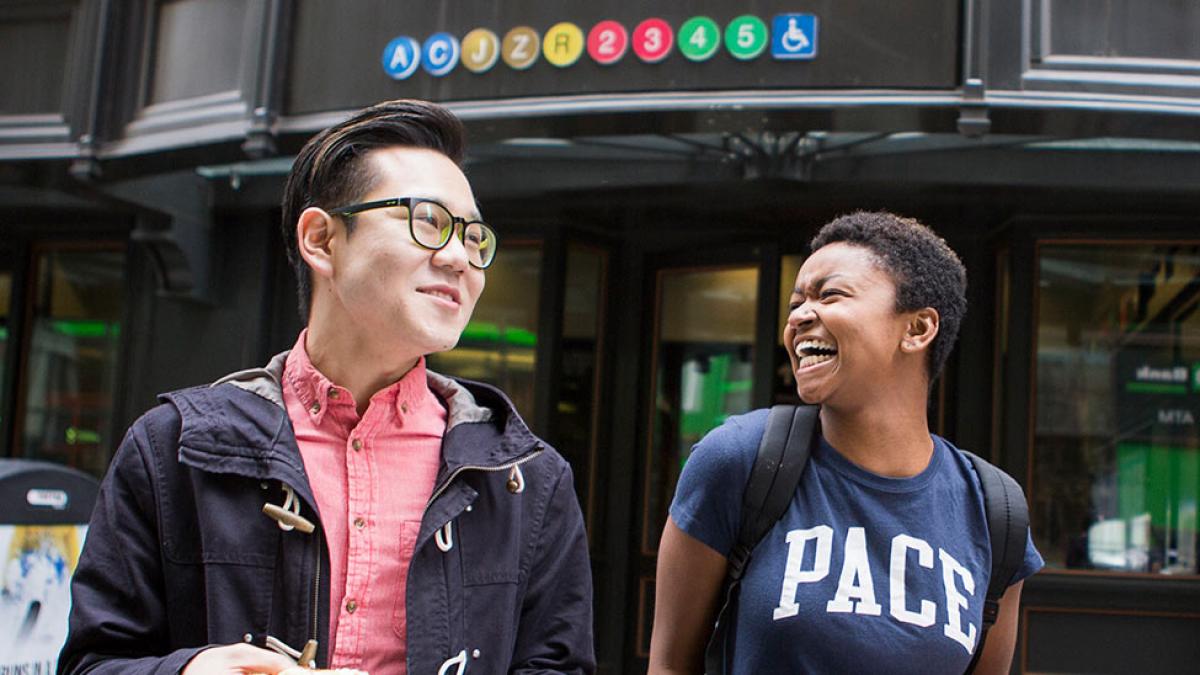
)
(239, 423)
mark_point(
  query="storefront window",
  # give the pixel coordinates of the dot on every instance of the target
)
(69, 371)
(499, 345)
(703, 360)
(1116, 456)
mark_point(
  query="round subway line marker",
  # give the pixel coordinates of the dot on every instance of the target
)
(401, 57)
(653, 40)
(746, 37)
(480, 50)
(563, 44)
(520, 47)
(607, 42)
(699, 38)
(440, 54)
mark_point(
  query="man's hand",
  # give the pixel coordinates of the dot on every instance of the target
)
(239, 659)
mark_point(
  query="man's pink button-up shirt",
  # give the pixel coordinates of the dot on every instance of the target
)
(371, 477)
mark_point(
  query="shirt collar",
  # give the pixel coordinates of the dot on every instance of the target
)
(317, 393)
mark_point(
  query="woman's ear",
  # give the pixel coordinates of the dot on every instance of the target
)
(922, 329)
(314, 233)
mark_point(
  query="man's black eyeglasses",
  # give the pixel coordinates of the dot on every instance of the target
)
(432, 226)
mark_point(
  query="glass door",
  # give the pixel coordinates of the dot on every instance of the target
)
(706, 336)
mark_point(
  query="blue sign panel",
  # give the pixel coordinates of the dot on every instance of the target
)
(401, 57)
(794, 36)
(440, 54)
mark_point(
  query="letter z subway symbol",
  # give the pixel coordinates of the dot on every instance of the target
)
(520, 48)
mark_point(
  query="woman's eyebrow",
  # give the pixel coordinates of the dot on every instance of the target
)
(818, 284)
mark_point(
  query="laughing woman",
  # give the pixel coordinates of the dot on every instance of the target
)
(882, 560)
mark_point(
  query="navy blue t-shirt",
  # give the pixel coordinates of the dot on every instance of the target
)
(864, 573)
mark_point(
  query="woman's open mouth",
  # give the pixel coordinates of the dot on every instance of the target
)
(812, 352)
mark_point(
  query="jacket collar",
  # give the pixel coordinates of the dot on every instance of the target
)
(226, 431)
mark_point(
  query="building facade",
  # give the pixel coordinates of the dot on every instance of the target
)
(654, 173)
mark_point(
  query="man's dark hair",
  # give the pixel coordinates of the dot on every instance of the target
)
(927, 273)
(331, 169)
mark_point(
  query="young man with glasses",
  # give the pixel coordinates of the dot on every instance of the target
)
(344, 507)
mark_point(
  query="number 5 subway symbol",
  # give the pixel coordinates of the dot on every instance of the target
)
(401, 57)
(794, 36)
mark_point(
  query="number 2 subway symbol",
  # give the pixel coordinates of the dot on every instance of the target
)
(607, 42)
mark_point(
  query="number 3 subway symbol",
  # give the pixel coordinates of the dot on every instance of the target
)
(653, 40)
(520, 48)
(607, 42)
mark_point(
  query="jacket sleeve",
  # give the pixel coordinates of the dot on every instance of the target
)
(118, 616)
(555, 631)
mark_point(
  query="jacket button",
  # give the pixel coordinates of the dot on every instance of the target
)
(356, 444)
(333, 393)
(360, 523)
(404, 408)
(315, 408)
(351, 606)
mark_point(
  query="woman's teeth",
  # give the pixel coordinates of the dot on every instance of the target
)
(813, 360)
(813, 351)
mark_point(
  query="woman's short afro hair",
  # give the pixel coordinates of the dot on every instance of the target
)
(927, 273)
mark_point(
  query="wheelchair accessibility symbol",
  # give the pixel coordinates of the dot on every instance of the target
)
(794, 36)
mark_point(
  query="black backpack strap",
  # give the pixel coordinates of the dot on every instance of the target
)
(1008, 527)
(782, 456)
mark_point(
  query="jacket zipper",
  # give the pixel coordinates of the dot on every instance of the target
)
(316, 608)
(537, 450)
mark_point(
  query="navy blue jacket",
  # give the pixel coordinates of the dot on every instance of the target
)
(180, 555)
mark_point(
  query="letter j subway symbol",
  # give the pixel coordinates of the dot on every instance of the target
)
(480, 50)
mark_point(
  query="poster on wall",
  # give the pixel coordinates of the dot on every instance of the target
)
(35, 594)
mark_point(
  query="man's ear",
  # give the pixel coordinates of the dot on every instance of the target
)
(922, 329)
(314, 232)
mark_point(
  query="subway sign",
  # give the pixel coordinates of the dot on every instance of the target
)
(447, 51)
(793, 37)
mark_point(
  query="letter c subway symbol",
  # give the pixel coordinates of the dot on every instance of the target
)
(401, 57)
(440, 54)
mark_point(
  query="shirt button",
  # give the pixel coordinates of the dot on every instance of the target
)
(315, 408)
(351, 606)
(360, 523)
(356, 444)
(404, 408)
(333, 393)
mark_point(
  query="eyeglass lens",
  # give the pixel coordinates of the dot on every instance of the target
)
(433, 225)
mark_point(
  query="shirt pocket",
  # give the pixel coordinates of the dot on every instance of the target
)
(408, 543)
